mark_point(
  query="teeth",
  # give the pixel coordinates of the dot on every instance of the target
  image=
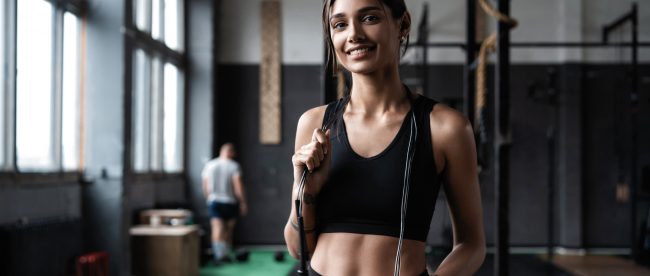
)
(359, 51)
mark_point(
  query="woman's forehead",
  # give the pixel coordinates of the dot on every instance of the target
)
(344, 7)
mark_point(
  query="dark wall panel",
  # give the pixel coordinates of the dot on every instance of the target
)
(608, 151)
(267, 169)
(104, 221)
(43, 248)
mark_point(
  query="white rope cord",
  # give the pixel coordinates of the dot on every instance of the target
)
(405, 193)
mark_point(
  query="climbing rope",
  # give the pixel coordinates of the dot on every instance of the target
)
(488, 46)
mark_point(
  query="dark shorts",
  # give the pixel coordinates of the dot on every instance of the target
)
(225, 211)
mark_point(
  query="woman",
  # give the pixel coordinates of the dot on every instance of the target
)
(380, 139)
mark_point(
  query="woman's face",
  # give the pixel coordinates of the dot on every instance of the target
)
(365, 36)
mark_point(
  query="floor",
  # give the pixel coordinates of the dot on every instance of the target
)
(259, 263)
(599, 265)
(263, 263)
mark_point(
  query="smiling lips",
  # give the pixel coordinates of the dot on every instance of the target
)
(360, 51)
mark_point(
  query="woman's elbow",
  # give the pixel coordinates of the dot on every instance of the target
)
(481, 251)
(288, 239)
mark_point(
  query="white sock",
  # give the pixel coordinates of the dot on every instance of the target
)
(218, 250)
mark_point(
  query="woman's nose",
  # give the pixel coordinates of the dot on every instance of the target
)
(355, 32)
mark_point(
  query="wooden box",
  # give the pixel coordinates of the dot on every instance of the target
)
(166, 216)
(164, 250)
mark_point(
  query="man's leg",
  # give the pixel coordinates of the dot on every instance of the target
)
(219, 246)
(229, 228)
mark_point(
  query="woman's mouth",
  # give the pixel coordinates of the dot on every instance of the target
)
(359, 52)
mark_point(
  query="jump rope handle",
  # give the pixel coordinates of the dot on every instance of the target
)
(302, 270)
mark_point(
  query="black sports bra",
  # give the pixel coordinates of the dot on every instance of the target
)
(363, 195)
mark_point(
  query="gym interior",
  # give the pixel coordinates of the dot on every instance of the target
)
(109, 109)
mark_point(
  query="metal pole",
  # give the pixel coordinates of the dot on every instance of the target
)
(550, 139)
(470, 54)
(551, 145)
(634, 101)
(502, 143)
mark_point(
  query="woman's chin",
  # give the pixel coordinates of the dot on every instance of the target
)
(361, 68)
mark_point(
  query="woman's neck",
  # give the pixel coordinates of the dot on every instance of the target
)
(377, 93)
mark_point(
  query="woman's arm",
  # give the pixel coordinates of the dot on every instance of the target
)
(454, 140)
(311, 148)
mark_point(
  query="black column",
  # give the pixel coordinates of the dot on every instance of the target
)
(501, 141)
(470, 55)
(634, 102)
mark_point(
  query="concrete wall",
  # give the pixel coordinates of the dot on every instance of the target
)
(62, 201)
(105, 209)
(201, 48)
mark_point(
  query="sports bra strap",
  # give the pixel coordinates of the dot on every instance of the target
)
(330, 113)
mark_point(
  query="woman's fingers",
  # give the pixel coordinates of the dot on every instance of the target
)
(311, 155)
(310, 164)
(326, 149)
(322, 138)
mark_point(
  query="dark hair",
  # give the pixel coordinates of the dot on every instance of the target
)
(397, 8)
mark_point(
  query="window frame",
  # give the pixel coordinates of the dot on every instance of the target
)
(9, 170)
(9, 87)
(154, 49)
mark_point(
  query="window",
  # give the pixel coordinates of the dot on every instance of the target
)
(173, 120)
(43, 109)
(34, 101)
(158, 86)
(7, 84)
(70, 98)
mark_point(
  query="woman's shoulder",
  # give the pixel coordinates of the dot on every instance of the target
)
(312, 118)
(447, 122)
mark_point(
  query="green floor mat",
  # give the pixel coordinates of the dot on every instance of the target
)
(260, 263)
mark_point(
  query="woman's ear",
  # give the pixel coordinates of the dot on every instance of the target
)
(405, 24)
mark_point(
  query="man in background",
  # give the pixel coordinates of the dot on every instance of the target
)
(224, 191)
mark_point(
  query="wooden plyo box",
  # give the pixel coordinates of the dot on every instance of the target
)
(165, 215)
(164, 250)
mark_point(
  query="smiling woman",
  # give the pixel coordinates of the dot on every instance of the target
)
(377, 158)
(372, 17)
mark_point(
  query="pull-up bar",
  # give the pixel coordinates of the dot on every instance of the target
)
(630, 16)
(538, 44)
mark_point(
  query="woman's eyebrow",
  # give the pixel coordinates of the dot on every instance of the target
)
(361, 10)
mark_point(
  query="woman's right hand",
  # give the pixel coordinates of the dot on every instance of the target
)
(316, 157)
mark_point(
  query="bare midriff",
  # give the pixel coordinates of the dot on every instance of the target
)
(362, 254)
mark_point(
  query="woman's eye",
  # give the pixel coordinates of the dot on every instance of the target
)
(370, 18)
(339, 25)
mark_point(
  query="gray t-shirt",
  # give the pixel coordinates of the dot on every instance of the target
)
(219, 173)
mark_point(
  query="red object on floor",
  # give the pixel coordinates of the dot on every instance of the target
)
(93, 264)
